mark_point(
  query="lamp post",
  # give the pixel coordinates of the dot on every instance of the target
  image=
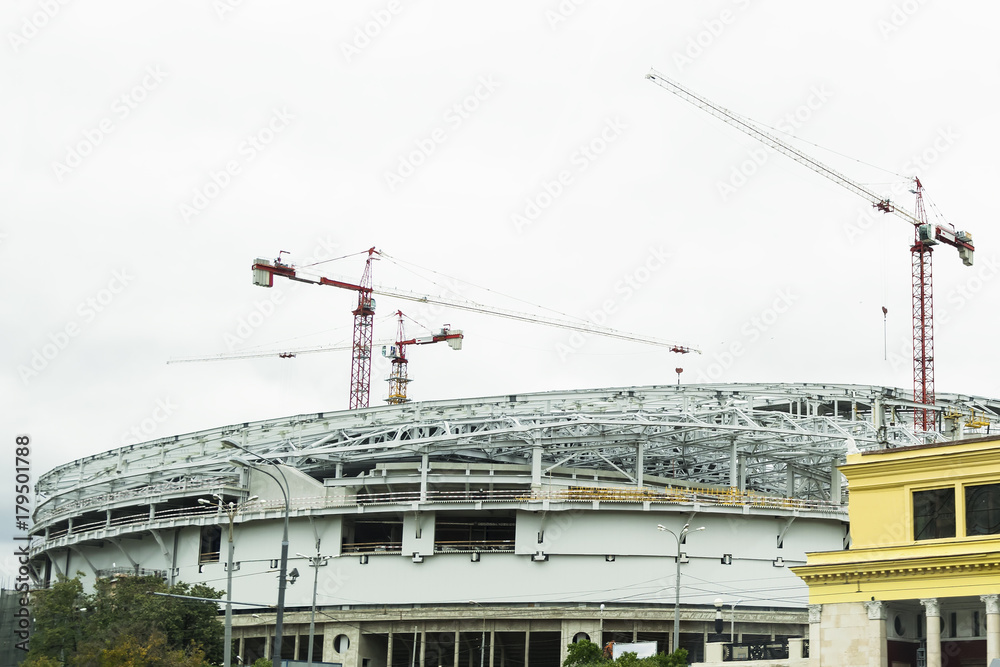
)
(315, 562)
(283, 569)
(482, 640)
(677, 579)
(231, 510)
(732, 628)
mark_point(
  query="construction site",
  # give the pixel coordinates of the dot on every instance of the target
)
(496, 530)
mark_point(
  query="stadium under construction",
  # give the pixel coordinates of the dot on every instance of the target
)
(494, 530)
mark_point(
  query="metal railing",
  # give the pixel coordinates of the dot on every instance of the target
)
(769, 650)
(497, 546)
(383, 547)
(513, 496)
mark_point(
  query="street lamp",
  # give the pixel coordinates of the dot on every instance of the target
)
(314, 562)
(231, 510)
(482, 640)
(283, 570)
(677, 579)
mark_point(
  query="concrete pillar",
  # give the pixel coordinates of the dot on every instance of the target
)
(815, 633)
(933, 612)
(992, 626)
(795, 648)
(458, 645)
(388, 651)
(493, 643)
(835, 496)
(424, 469)
(423, 647)
(877, 636)
(713, 652)
(734, 465)
(536, 468)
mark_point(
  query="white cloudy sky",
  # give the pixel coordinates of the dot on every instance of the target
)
(150, 151)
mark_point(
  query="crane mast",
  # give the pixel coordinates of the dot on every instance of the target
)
(926, 235)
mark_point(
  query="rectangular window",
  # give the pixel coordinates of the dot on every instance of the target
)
(934, 514)
(982, 509)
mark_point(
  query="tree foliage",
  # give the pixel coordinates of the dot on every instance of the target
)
(123, 624)
(588, 654)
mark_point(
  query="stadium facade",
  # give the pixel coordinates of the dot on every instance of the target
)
(494, 531)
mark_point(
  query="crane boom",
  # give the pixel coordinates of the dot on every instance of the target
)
(926, 235)
(582, 327)
(751, 128)
(284, 354)
(264, 270)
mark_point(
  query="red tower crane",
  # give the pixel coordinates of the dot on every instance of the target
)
(398, 378)
(264, 272)
(926, 235)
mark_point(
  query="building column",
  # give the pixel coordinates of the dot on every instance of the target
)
(815, 632)
(992, 626)
(933, 612)
(877, 634)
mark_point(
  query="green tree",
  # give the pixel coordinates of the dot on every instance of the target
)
(583, 652)
(58, 613)
(122, 620)
(588, 654)
(130, 651)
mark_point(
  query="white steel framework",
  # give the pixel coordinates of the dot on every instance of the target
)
(769, 439)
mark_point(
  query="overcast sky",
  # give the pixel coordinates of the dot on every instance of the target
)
(515, 153)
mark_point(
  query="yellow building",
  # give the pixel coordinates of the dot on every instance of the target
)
(920, 580)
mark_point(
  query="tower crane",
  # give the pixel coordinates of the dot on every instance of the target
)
(364, 314)
(264, 272)
(396, 353)
(926, 235)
